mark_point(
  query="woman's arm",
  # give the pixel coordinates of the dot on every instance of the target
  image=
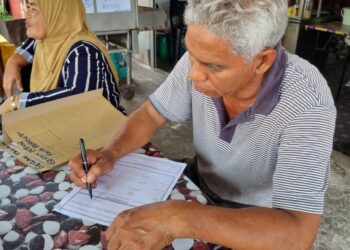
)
(12, 74)
(82, 71)
(23, 57)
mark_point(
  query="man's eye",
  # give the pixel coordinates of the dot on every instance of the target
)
(213, 67)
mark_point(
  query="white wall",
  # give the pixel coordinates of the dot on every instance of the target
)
(145, 40)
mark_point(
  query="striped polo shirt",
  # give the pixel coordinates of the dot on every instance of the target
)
(274, 154)
(85, 68)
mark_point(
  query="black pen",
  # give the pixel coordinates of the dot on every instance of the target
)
(85, 163)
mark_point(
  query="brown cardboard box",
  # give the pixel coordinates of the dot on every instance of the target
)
(47, 135)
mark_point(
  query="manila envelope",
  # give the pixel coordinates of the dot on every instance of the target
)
(47, 135)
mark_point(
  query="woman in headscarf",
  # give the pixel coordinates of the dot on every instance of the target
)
(66, 58)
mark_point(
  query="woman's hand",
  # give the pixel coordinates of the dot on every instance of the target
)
(12, 75)
(6, 106)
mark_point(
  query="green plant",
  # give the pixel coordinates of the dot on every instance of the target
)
(4, 15)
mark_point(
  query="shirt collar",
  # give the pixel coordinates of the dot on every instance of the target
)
(265, 102)
(269, 94)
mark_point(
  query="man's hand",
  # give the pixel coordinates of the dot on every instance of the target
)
(101, 162)
(12, 77)
(149, 227)
(154, 226)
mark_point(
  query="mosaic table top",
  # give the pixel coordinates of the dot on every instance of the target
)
(27, 219)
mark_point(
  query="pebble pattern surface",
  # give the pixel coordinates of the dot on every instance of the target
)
(27, 219)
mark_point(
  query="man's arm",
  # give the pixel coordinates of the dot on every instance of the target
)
(155, 226)
(136, 132)
(250, 228)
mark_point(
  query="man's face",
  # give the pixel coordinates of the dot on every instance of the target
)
(215, 70)
(35, 23)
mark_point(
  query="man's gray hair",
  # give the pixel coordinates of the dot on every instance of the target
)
(249, 26)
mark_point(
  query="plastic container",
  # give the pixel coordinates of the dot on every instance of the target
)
(122, 71)
(296, 8)
(119, 64)
(162, 46)
(345, 12)
(308, 9)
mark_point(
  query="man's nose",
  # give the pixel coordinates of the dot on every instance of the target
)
(197, 73)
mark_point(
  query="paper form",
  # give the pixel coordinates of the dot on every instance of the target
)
(135, 180)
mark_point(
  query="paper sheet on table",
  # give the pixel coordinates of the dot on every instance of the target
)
(135, 180)
(47, 135)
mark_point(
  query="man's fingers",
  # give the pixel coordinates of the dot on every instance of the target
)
(110, 230)
(93, 156)
(94, 172)
(77, 180)
(112, 237)
(114, 244)
(76, 165)
(97, 167)
(96, 161)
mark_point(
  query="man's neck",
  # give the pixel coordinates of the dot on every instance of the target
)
(245, 98)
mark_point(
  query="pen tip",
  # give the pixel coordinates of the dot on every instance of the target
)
(90, 193)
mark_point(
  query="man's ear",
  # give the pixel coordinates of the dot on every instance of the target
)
(264, 61)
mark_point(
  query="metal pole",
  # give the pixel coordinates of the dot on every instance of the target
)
(319, 8)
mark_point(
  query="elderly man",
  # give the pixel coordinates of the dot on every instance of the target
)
(263, 123)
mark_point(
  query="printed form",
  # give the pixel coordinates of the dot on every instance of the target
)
(135, 180)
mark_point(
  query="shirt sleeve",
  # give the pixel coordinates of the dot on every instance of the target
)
(23, 100)
(27, 50)
(173, 99)
(82, 71)
(303, 166)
